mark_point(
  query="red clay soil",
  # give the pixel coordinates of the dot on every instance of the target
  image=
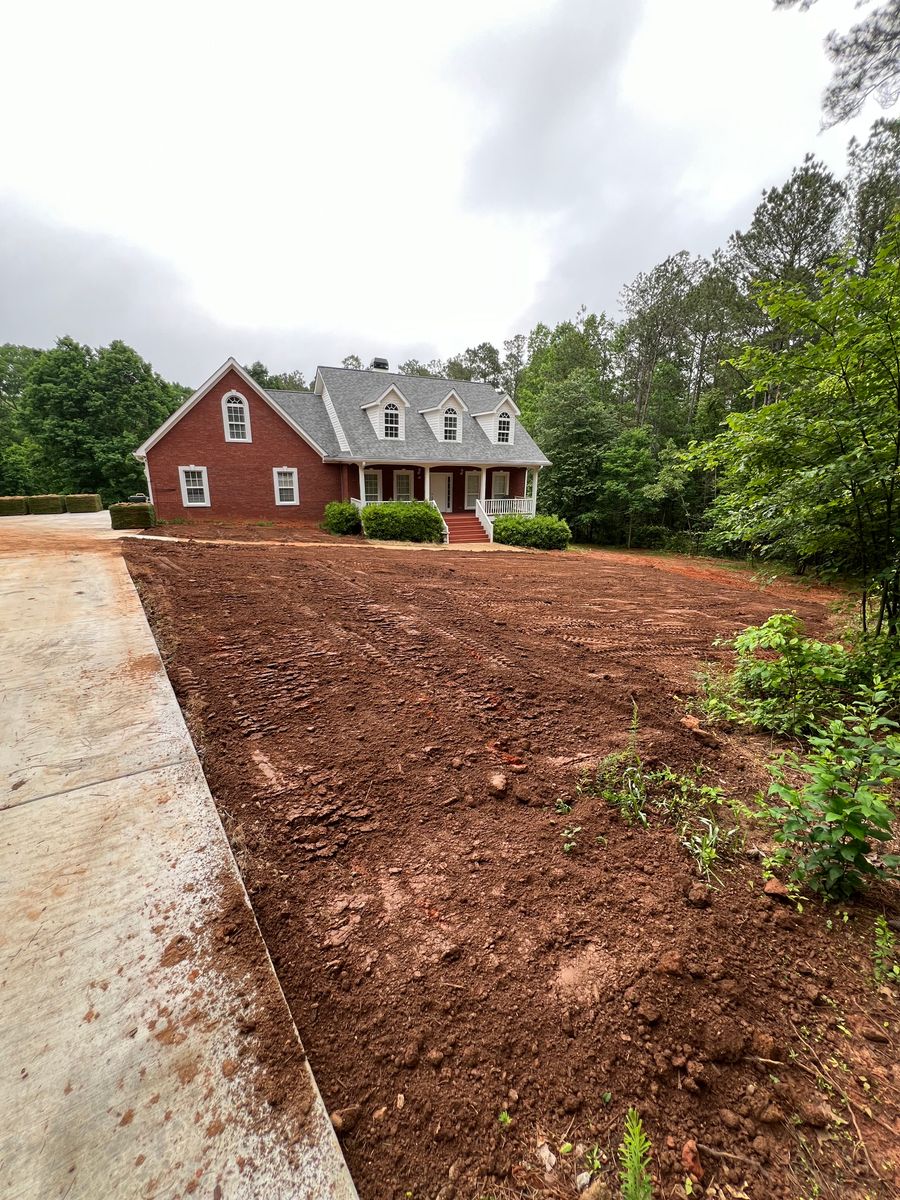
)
(386, 734)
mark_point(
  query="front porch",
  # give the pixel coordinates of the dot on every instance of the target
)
(467, 497)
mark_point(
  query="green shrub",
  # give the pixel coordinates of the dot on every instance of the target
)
(132, 516)
(828, 825)
(13, 506)
(649, 537)
(541, 533)
(781, 681)
(46, 504)
(682, 542)
(83, 502)
(414, 522)
(342, 517)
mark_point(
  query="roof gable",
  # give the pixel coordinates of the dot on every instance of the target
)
(249, 382)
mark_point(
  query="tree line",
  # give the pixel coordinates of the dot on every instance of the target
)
(656, 421)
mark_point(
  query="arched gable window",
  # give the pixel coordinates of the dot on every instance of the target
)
(236, 417)
(451, 425)
(504, 427)
(391, 420)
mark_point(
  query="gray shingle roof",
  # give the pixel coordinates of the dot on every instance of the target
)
(307, 410)
(350, 390)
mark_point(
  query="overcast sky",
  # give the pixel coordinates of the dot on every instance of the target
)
(296, 181)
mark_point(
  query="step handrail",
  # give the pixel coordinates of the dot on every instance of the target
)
(486, 523)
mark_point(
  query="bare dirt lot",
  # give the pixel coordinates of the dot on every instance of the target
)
(387, 735)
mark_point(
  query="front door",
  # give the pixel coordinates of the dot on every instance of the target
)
(442, 490)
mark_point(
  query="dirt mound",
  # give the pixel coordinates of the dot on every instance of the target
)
(446, 959)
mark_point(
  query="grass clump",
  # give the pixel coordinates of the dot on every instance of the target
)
(47, 505)
(342, 517)
(401, 521)
(13, 506)
(132, 516)
(539, 533)
(83, 502)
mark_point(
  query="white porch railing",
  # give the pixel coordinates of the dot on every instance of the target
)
(360, 504)
(523, 505)
(486, 523)
(433, 503)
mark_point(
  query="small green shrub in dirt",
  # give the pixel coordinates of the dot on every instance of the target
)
(415, 522)
(132, 516)
(634, 1160)
(887, 968)
(886, 965)
(342, 517)
(538, 533)
(782, 681)
(83, 502)
(620, 779)
(46, 505)
(830, 824)
(13, 506)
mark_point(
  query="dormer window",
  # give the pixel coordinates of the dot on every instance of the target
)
(236, 418)
(451, 425)
(391, 421)
(504, 427)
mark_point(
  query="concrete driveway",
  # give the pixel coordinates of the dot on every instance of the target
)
(145, 1048)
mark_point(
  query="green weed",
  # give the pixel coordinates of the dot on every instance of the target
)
(887, 968)
(634, 1160)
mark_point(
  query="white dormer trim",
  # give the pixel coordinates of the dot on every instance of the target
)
(377, 410)
(453, 397)
(389, 393)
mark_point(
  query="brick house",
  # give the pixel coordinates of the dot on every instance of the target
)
(236, 450)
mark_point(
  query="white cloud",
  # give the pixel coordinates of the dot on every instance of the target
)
(313, 180)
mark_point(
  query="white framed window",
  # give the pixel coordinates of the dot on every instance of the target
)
(451, 425)
(194, 487)
(473, 489)
(287, 490)
(500, 485)
(236, 417)
(372, 486)
(391, 420)
(504, 427)
(403, 485)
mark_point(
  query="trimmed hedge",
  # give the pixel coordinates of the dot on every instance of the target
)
(13, 506)
(132, 516)
(541, 533)
(46, 504)
(342, 517)
(83, 502)
(413, 522)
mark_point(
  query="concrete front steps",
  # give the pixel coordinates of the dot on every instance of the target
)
(465, 527)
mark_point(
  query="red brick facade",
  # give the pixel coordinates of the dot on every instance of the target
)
(239, 473)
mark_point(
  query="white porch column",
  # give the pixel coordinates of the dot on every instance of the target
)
(534, 483)
(483, 484)
(428, 483)
(362, 484)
